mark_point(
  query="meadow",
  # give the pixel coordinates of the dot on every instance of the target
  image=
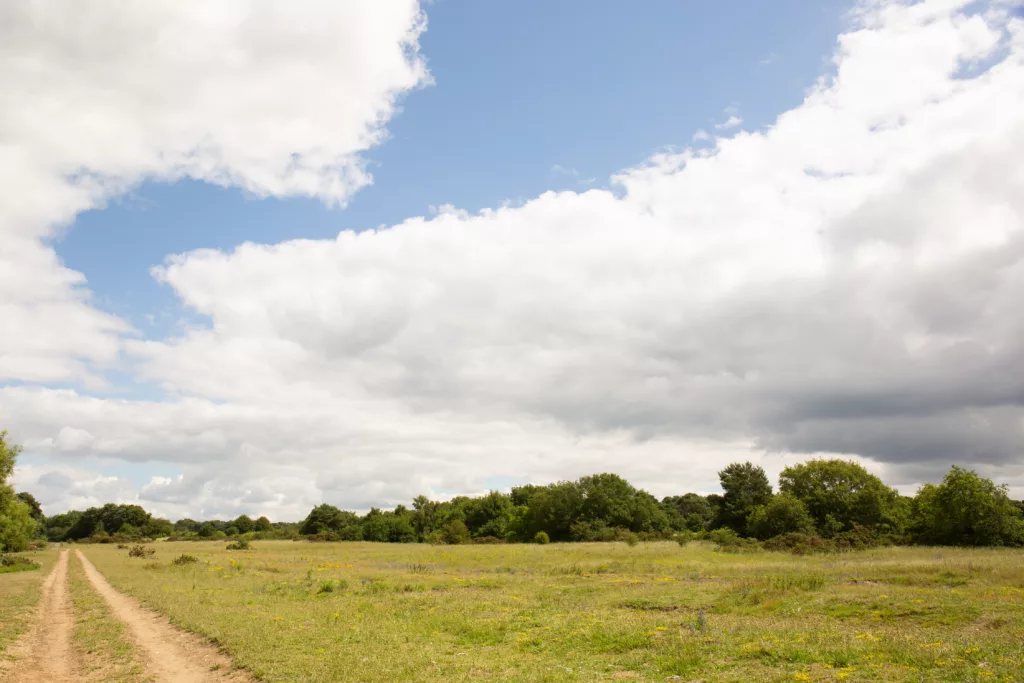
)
(290, 611)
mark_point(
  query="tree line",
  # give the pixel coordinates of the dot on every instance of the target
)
(817, 503)
(830, 500)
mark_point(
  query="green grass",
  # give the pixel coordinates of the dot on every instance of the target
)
(584, 612)
(19, 593)
(100, 640)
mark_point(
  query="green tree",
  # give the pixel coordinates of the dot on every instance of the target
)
(16, 524)
(966, 510)
(35, 509)
(400, 529)
(321, 519)
(57, 527)
(554, 509)
(263, 524)
(110, 518)
(244, 524)
(744, 486)
(488, 515)
(610, 500)
(375, 527)
(425, 512)
(157, 528)
(841, 493)
(783, 514)
(187, 525)
(690, 511)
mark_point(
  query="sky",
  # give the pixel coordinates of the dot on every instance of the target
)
(257, 256)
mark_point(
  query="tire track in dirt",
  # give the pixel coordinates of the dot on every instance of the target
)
(43, 654)
(170, 654)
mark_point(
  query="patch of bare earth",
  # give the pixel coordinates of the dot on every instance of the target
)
(170, 655)
(43, 654)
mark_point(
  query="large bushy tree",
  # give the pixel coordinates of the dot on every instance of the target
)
(745, 486)
(783, 514)
(840, 493)
(968, 510)
(17, 527)
(690, 511)
(488, 515)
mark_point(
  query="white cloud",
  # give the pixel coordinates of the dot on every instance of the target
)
(846, 281)
(732, 122)
(279, 99)
(559, 170)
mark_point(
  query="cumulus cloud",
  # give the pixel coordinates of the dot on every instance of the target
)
(845, 282)
(277, 98)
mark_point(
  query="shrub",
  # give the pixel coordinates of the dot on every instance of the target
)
(858, 538)
(627, 537)
(240, 544)
(488, 540)
(684, 537)
(184, 559)
(455, 533)
(799, 544)
(727, 540)
(541, 537)
(782, 514)
(141, 551)
(16, 563)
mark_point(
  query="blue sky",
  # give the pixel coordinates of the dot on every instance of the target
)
(546, 96)
(218, 314)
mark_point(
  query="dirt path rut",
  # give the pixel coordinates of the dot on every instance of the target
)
(43, 654)
(171, 655)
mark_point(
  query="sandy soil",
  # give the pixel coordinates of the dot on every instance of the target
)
(170, 655)
(44, 654)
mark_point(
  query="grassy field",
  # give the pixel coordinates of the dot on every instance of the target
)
(19, 593)
(583, 612)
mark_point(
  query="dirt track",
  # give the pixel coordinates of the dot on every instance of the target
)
(44, 653)
(170, 655)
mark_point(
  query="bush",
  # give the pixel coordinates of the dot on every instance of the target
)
(627, 537)
(684, 537)
(727, 540)
(141, 551)
(488, 540)
(16, 563)
(782, 514)
(799, 544)
(240, 544)
(858, 538)
(541, 537)
(456, 532)
(184, 559)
